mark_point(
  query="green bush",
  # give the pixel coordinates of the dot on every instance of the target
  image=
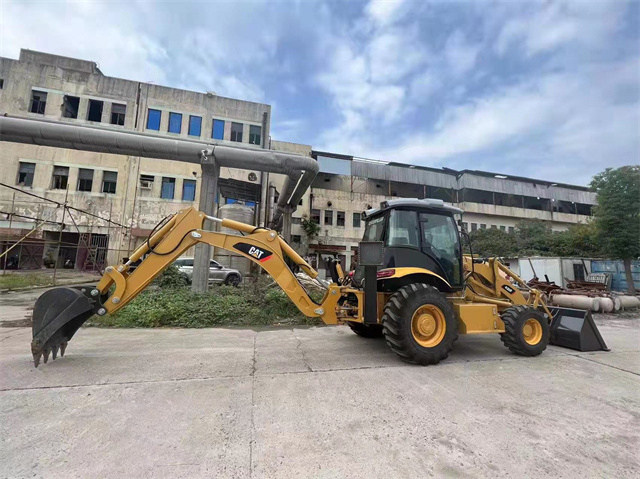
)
(172, 277)
(248, 305)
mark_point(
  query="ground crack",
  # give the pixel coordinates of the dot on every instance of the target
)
(302, 353)
(253, 390)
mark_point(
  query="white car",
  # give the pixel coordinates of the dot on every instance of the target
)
(217, 272)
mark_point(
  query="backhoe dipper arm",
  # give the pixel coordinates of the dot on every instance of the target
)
(184, 230)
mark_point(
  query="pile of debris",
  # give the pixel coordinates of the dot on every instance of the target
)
(593, 294)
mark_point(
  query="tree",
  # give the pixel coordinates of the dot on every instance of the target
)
(491, 242)
(578, 240)
(617, 215)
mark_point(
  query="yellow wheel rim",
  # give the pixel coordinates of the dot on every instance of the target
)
(532, 332)
(428, 325)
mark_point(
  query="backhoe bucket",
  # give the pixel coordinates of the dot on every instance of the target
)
(575, 329)
(57, 315)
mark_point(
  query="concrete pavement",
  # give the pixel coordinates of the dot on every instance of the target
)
(315, 402)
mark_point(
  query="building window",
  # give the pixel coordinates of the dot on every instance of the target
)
(25, 173)
(195, 125)
(168, 188)
(296, 239)
(153, 119)
(474, 226)
(236, 132)
(118, 113)
(1, 83)
(494, 227)
(315, 216)
(70, 106)
(511, 229)
(175, 122)
(296, 221)
(60, 177)
(340, 218)
(217, 133)
(109, 180)
(95, 110)
(38, 102)
(328, 217)
(483, 227)
(255, 134)
(465, 226)
(503, 228)
(85, 179)
(356, 220)
(188, 190)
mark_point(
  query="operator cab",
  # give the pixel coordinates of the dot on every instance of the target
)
(417, 233)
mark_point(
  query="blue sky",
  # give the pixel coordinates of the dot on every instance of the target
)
(548, 90)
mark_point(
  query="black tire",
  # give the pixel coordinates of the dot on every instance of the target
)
(397, 324)
(232, 280)
(366, 330)
(514, 338)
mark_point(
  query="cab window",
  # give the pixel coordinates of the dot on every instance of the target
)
(403, 229)
(439, 239)
(374, 229)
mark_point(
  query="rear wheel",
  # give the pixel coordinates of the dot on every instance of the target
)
(232, 280)
(366, 330)
(419, 324)
(526, 330)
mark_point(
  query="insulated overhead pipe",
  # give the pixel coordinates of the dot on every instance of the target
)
(300, 170)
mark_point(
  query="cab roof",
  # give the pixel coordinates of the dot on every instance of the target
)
(426, 203)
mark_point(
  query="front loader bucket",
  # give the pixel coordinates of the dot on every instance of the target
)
(575, 329)
(57, 315)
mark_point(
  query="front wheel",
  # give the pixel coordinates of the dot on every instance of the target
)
(232, 280)
(526, 330)
(420, 324)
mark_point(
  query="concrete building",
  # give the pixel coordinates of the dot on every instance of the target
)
(132, 192)
(347, 185)
(136, 193)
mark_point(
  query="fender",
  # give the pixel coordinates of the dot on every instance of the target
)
(406, 271)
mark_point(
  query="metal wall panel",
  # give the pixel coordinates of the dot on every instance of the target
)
(336, 166)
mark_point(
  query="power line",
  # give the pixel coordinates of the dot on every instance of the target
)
(64, 205)
(29, 217)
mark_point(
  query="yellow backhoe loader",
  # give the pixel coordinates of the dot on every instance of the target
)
(412, 285)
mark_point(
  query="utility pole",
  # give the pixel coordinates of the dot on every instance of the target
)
(64, 212)
(208, 197)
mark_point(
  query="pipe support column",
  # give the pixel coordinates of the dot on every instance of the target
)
(208, 196)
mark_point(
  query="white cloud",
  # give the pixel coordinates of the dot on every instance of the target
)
(385, 12)
(460, 54)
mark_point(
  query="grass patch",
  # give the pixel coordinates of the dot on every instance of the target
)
(178, 306)
(15, 281)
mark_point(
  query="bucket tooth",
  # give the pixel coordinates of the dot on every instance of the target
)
(63, 346)
(54, 352)
(36, 359)
(45, 355)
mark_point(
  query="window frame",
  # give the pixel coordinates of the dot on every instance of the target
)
(344, 218)
(119, 116)
(173, 114)
(80, 179)
(173, 190)
(66, 101)
(149, 113)
(26, 173)
(186, 182)
(236, 134)
(41, 104)
(93, 102)
(191, 118)
(106, 181)
(252, 135)
(54, 176)
(221, 125)
(359, 220)
(324, 217)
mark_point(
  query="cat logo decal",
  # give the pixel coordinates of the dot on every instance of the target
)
(255, 252)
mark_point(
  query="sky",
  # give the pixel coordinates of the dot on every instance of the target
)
(542, 89)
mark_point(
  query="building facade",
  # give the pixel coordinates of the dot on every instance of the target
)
(119, 199)
(347, 185)
(133, 193)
